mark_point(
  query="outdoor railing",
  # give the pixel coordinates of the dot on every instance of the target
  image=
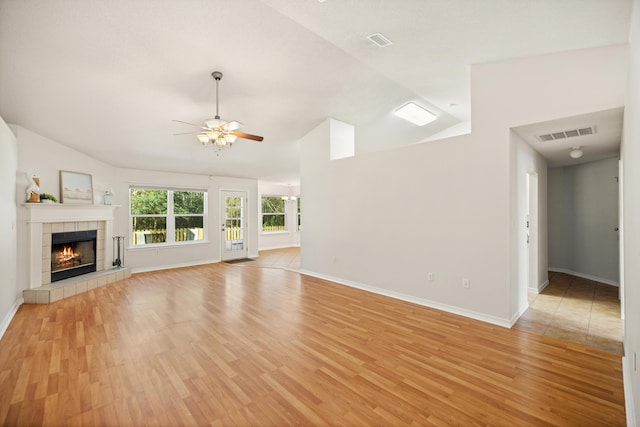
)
(142, 237)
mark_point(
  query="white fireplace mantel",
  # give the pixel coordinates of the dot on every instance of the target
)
(38, 214)
(60, 212)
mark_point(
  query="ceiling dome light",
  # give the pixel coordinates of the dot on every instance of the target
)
(576, 153)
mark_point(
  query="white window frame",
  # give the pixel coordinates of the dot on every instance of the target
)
(170, 217)
(284, 214)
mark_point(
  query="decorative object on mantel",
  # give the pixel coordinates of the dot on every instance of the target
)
(33, 190)
(108, 196)
(48, 198)
(76, 188)
(118, 246)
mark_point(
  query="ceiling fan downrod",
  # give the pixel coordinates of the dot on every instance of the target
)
(217, 75)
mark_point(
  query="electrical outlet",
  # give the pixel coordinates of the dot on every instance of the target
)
(466, 283)
(430, 277)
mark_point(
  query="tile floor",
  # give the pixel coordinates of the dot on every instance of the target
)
(287, 258)
(576, 310)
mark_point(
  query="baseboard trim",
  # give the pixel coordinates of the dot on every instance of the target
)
(585, 276)
(171, 266)
(627, 373)
(270, 248)
(10, 315)
(505, 323)
(540, 288)
(517, 316)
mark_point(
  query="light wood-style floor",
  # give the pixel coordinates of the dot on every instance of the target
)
(228, 345)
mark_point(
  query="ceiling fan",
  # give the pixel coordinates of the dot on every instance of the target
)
(217, 132)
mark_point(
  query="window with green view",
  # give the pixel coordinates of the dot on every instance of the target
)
(166, 216)
(273, 214)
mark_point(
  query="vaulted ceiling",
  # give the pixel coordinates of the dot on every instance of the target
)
(108, 77)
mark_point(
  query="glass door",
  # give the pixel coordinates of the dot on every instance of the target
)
(234, 211)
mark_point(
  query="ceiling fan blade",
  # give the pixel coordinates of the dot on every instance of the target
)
(215, 123)
(187, 123)
(247, 136)
(188, 133)
(232, 125)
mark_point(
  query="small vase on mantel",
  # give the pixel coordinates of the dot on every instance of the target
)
(108, 197)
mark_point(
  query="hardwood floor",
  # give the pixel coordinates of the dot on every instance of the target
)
(232, 346)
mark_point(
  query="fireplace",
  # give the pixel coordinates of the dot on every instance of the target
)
(73, 253)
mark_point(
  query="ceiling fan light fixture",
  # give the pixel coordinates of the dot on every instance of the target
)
(217, 132)
(214, 123)
(415, 114)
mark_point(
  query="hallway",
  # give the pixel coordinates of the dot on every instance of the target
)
(576, 310)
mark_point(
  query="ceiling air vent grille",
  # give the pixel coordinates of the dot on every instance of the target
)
(567, 134)
(379, 40)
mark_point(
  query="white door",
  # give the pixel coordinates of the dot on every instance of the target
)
(233, 227)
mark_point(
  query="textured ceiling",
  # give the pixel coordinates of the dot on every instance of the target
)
(108, 78)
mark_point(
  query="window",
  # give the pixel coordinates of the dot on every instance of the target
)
(166, 216)
(273, 214)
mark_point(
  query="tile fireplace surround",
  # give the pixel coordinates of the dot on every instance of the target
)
(43, 220)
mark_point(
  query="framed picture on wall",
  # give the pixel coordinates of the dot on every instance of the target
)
(76, 188)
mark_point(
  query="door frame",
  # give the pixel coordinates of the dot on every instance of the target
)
(532, 244)
(231, 255)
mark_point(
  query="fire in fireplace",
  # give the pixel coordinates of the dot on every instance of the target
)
(72, 254)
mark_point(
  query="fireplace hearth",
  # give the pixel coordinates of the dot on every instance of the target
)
(73, 253)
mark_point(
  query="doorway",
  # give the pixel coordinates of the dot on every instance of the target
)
(532, 232)
(234, 225)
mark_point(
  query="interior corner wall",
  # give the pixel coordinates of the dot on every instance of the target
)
(528, 161)
(382, 221)
(583, 217)
(10, 295)
(630, 153)
(285, 239)
(47, 158)
(316, 237)
(161, 257)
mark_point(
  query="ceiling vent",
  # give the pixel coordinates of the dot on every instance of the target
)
(379, 40)
(567, 134)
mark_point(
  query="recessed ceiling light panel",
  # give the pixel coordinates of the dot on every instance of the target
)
(415, 114)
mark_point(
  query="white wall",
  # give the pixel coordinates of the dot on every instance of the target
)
(583, 212)
(39, 154)
(384, 220)
(284, 239)
(159, 257)
(561, 211)
(630, 153)
(10, 295)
